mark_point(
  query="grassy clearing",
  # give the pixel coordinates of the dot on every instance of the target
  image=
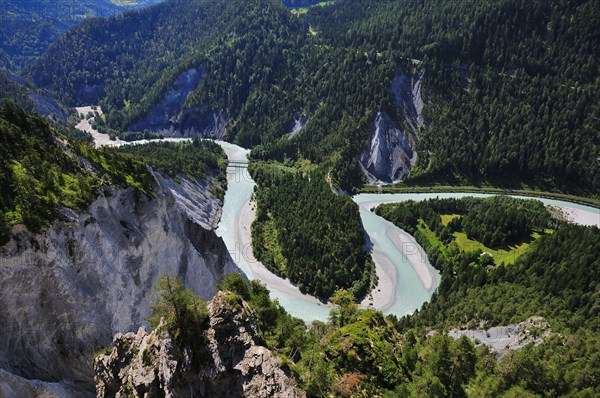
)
(431, 236)
(446, 218)
(304, 10)
(504, 255)
(501, 255)
(302, 165)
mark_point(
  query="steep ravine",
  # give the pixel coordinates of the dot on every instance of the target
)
(66, 292)
(392, 146)
(171, 118)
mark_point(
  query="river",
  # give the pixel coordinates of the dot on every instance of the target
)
(406, 278)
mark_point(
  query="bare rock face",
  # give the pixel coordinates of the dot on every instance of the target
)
(233, 364)
(407, 96)
(13, 386)
(391, 152)
(171, 118)
(392, 149)
(66, 292)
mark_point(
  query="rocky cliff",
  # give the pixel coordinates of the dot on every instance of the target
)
(233, 363)
(66, 292)
(407, 96)
(170, 117)
(391, 152)
(392, 148)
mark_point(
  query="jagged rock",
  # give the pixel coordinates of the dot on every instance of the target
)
(297, 126)
(13, 386)
(407, 96)
(391, 152)
(502, 339)
(392, 149)
(64, 293)
(233, 364)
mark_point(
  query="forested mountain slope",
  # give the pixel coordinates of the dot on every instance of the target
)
(41, 173)
(509, 85)
(84, 233)
(552, 289)
(29, 27)
(510, 88)
(30, 98)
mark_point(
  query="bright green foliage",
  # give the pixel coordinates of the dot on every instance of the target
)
(278, 328)
(369, 346)
(199, 159)
(40, 173)
(120, 168)
(344, 308)
(363, 353)
(185, 314)
(557, 279)
(502, 227)
(501, 220)
(307, 233)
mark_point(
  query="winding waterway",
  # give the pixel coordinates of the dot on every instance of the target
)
(406, 278)
(404, 283)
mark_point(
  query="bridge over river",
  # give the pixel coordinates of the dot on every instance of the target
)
(237, 164)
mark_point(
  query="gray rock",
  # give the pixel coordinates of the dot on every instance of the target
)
(170, 117)
(297, 126)
(13, 386)
(503, 339)
(67, 214)
(391, 152)
(66, 292)
(233, 365)
(407, 96)
(392, 149)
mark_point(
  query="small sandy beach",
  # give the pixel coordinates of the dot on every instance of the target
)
(582, 217)
(383, 295)
(258, 270)
(413, 252)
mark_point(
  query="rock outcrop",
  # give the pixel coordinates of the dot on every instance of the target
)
(391, 152)
(232, 364)
(407, 96)
(66, 292)
(502, 339)
(13, 386)
(170, 117)
(392, 149)
(297, 126)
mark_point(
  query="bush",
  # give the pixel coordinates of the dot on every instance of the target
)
(185, 314)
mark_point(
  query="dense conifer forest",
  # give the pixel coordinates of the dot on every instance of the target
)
(29, 27)
(362, 353)
(511, 97)
(199, 159)
(42, 168)
(309, 234)
(510, 88)
(41, 172)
